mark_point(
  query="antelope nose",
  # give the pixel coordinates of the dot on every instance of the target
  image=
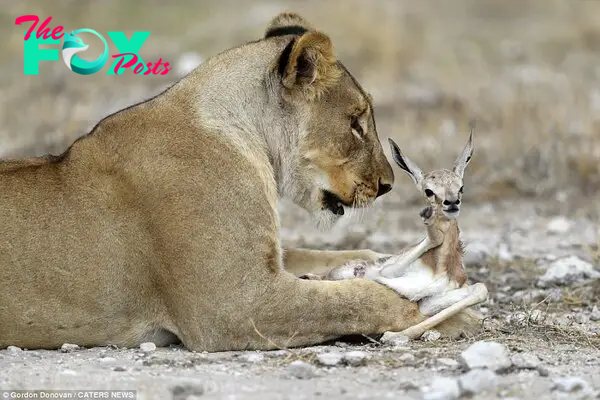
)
(450, 203)
(383, 188)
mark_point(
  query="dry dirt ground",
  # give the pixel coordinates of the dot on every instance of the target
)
(509, 245)
(525, 70)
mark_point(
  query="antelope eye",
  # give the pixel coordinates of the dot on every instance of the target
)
(429, 192)
(461, 189)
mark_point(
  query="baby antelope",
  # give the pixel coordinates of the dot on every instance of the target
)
(430, 272)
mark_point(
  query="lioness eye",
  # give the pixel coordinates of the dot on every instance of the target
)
(461, 189)
(356, 128)
(429, 193)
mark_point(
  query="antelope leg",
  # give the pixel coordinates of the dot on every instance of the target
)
(477, 294)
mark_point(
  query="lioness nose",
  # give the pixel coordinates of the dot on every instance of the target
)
(383, 188)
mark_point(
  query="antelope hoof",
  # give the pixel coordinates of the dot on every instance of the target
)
(427, 215)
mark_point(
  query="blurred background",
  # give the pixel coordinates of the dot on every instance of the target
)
(526, 71)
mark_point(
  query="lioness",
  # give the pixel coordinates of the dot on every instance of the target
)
(161, 223)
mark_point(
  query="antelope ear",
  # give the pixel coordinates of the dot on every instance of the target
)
(406, 164)
(463, 160)
(307, 65)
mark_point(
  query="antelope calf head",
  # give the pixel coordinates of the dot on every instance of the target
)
(442, 188)
(430, 272)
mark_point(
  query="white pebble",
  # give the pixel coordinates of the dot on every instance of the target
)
(595, 315)
(68, 347)
(441, 388)
(431, 336)
(252, 357)
(407, 358)
(558, 225)
(147, 347)
(484, 354)
(567, 271)
(14, 349)
(504, 253)
(478, 380)
(526, 361)
(301, 370)
(355, 358)
(571, 384)
(329, 359)
(395, 339)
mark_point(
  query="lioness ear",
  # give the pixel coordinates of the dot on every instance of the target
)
(308, 64)
(287, 23)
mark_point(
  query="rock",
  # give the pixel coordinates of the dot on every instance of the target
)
(448, 362)
(504, 253)
(581, 318)
(571, 384)
(119, 368)
(478, 380)
(395, 339)
(525, 361)
(68, 347)
(251, 357)
(558, 226)
(329, 359)
(147, 347)
(567, 271)
(595, 314)
(355, 358)
(430, 336)
(107, 360)
(301, 370)
(407, 358)
(14, 349)
(483, 354)
(542, 371)
(441, 388)
(476, 254)
(185, 391)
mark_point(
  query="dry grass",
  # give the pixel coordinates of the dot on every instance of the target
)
(525, 71)
(525, 326)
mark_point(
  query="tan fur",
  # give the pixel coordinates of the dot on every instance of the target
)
(288, 19)
(162, 221)
(447, 257)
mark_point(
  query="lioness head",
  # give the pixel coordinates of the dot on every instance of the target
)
(340, 161)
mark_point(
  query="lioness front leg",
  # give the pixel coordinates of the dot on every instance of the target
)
(294, 312)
